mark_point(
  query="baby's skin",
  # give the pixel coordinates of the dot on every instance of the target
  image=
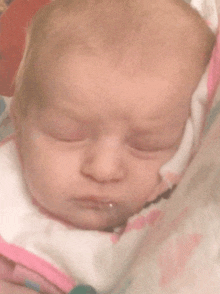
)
(112, 113)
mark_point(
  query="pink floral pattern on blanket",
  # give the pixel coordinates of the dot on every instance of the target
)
(175, 255)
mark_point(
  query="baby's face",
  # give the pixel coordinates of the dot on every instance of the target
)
(92, 155)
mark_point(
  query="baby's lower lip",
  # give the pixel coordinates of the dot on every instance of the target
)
(94, 203)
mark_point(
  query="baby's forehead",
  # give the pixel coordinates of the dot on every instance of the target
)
(118, 26)
(160, 35)
(133, 35)
(90, 83)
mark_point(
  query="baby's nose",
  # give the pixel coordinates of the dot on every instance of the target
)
(103, 161)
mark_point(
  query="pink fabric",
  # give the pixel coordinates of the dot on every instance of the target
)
(139, 223)
(24, 275)
(174, 257)
(17, 265)
(214, 70)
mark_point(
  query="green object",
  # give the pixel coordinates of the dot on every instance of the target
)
(83, 289)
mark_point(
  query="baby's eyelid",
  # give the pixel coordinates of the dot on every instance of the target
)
(69, 136)
(142, 146)
(146, 149)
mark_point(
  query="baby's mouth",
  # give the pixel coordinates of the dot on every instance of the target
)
(95, 203)
(103, 212)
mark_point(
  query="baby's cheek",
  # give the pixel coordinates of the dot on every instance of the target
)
(145, 179)
(148, 172)
(51, 171)
(37, 172)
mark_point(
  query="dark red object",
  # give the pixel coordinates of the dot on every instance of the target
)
(13, 24)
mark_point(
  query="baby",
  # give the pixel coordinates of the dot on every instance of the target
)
(102, 99)
(103, 96)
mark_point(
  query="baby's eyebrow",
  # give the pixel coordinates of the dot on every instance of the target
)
(142, 132)
(137, 131)
(148, 129)
(146, 136)
(73, 114)
(157, 134)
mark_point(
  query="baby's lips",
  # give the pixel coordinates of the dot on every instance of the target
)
(91, 204)
(95, 203)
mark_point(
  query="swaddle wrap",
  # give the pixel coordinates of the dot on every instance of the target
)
(202, 100)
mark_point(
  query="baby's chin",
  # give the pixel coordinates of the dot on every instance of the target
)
(94, 225)
(91, 219)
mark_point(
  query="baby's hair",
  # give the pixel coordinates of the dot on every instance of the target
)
(126, 32)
